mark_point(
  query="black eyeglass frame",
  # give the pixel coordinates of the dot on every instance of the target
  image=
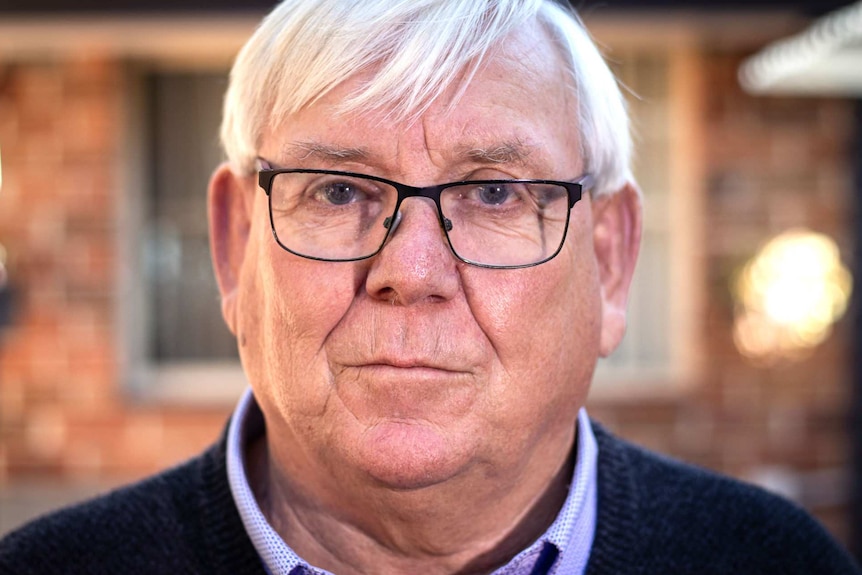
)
(575, 190)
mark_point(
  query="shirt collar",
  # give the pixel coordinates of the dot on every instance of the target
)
(571, 533)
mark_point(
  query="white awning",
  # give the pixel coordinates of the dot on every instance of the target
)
(824, 59)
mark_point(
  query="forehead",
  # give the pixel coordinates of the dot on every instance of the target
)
(517, 109)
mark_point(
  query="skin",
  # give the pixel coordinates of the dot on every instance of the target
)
(420, 412)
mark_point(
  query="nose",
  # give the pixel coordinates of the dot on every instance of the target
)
(416, 264)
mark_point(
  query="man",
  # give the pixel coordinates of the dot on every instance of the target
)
(424, 237)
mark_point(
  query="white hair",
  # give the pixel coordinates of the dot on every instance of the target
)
(415, 50)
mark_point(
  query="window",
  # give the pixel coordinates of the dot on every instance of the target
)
(660, 347)
(184, 349)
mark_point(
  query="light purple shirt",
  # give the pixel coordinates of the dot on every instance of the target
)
(570, 536)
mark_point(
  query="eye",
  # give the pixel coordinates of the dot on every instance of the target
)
(338, 193)
(493, 194)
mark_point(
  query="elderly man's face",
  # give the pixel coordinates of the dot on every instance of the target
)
(411, 368)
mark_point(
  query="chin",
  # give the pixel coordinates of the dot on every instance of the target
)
(408, 455)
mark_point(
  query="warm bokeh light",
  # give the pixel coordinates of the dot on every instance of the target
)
(789, 295)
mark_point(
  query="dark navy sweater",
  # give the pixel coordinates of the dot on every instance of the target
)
(655, 516)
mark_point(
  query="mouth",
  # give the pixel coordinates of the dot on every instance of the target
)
(401, 370)
(406, 375)
(407, 365)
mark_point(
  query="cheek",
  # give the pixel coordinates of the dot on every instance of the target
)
(304, 299)
(549, 321)
(289, 307)
(544, 324)
(578, 307)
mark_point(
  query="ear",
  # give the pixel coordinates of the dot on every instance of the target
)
(617, 222)
(230, 204)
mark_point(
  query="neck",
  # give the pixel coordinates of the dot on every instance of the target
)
(473, 524)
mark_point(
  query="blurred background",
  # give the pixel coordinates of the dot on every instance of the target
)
(743, 351)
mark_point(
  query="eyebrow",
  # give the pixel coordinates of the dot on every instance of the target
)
(305, 149)
(514, 152)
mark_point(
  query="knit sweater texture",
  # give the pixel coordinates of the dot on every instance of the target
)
(655, 516)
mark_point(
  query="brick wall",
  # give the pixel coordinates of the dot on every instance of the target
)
(63, 411)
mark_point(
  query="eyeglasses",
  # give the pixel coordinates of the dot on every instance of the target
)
(342, 216)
